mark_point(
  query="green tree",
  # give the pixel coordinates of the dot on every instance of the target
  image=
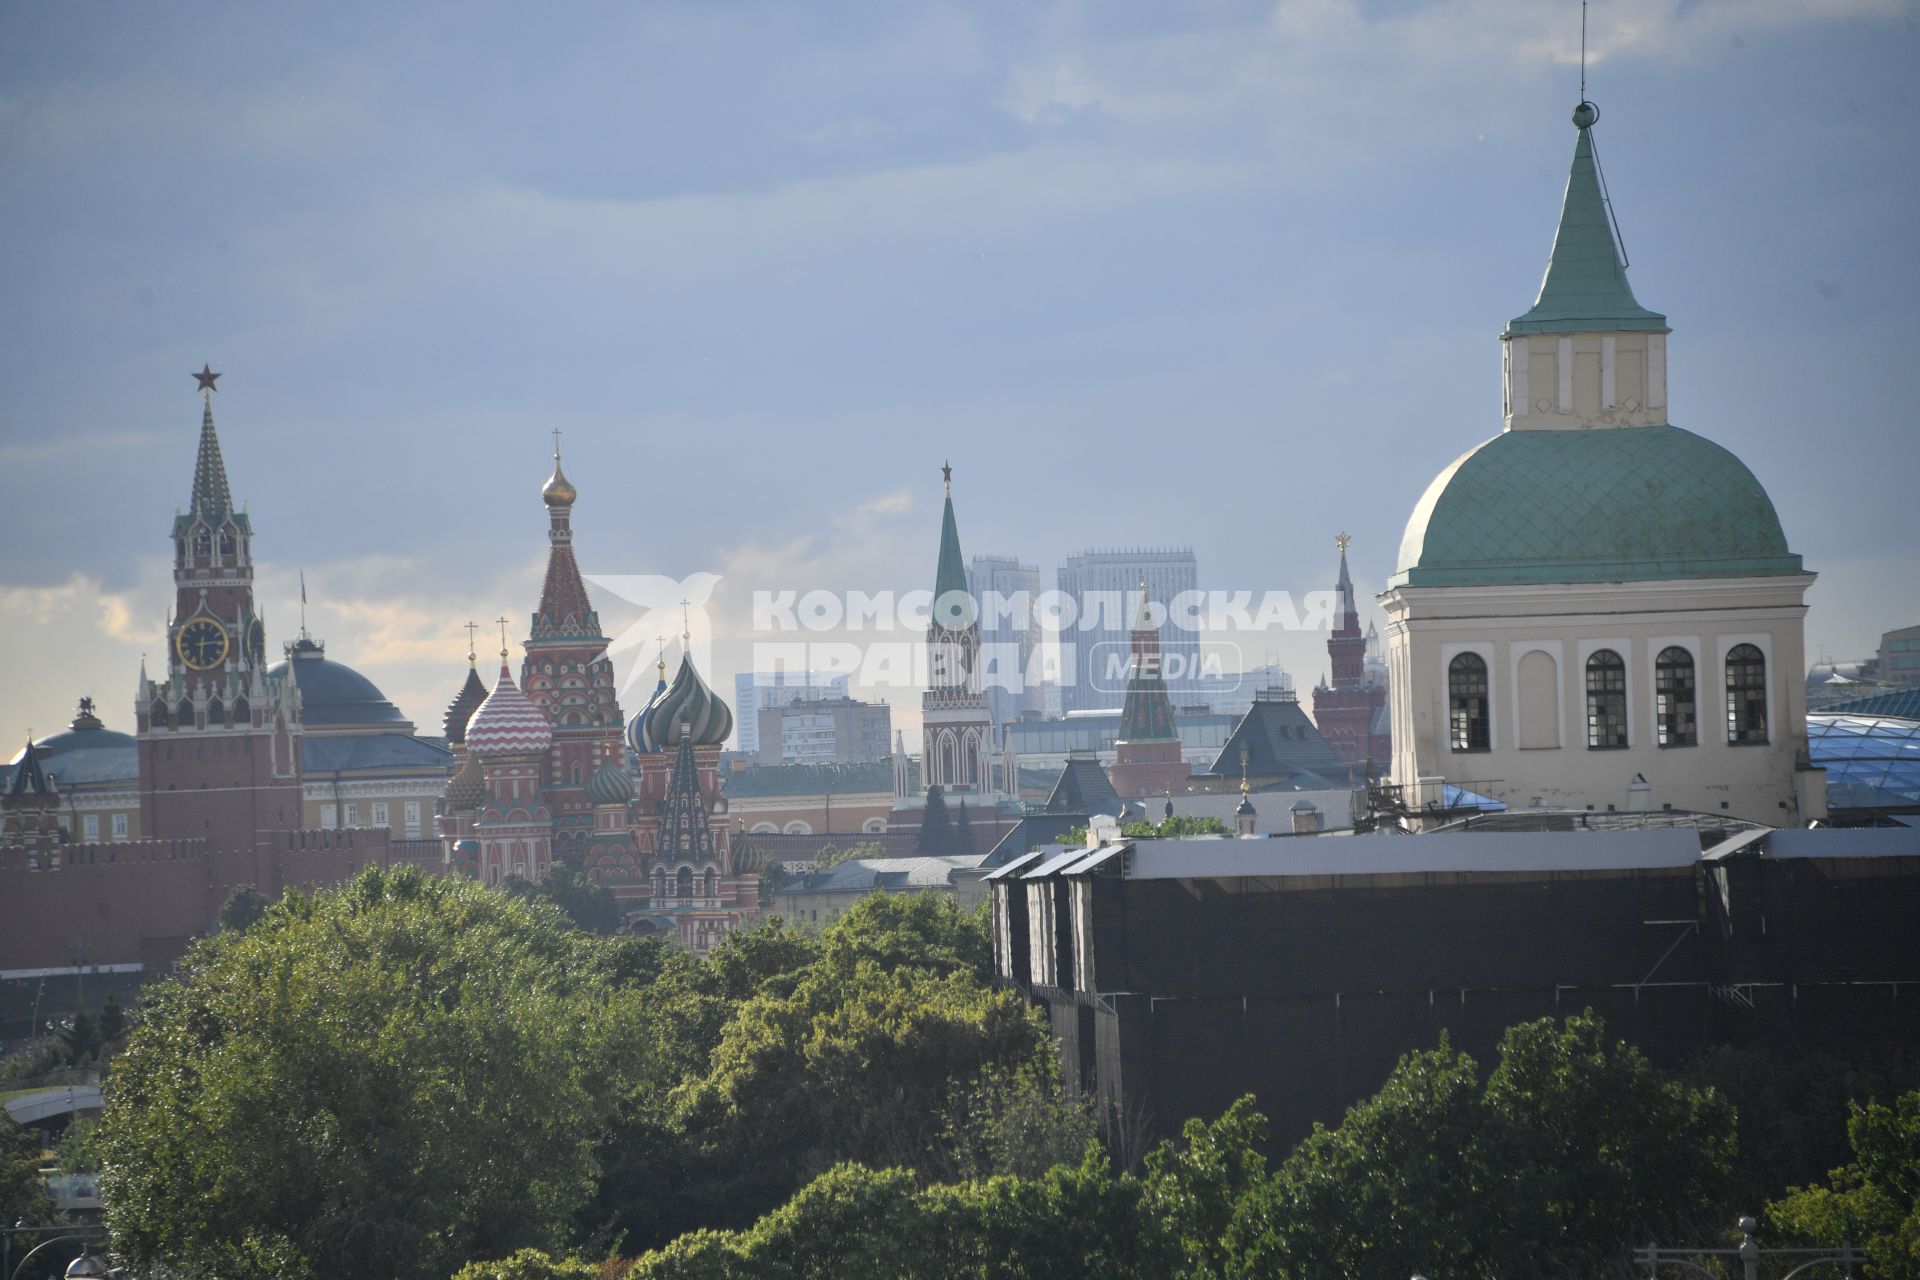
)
(243, 908)
(1074, 1220)
(1874, 1200)
(80, 1147)
(381, 1081)
(589, 904)
(113, 1020)
(1574, 1150)
(81, 1036)
(830, 857)
(529, 1264)
(936, 829)
(23, 1193)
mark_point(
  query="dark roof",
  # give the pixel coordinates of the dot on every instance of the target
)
(464, 704)
(1905, 702)
(1083, 789)
(30, 776)
(864, 777)
(1031, 831)
(1281, 743)
(333, 692)
(357, 751)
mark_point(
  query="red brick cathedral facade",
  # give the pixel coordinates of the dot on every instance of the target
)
(542, 775)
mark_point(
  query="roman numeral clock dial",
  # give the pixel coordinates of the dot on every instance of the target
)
(202, 644)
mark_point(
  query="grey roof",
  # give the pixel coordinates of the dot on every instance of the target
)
(1281, 743)
(333, 692)
(1711, 827)
(864, 777)
(1034, 829)
(893, 875)
(96, 765)
(779, 846)
(1462, 851)
(357, 751)
(1083, 789)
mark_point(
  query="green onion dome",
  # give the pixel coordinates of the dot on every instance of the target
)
(467, 788)
(610, 784)
(686, 706)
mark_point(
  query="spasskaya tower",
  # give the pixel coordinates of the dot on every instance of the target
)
(219, 738)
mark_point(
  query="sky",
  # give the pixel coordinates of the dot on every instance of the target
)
(1215, 274)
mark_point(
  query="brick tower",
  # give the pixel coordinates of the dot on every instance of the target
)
(1147, 753)
(1346, 710)
(218, 737)
(567, 675)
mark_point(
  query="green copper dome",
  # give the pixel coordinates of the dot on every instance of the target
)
(1625, 504)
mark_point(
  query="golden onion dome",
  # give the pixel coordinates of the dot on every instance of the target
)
(558, 491)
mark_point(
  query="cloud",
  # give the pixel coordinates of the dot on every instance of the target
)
(70, 444)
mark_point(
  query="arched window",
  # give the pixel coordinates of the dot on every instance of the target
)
(216, 714)
(1467, 702)
(575, 774)
(1674, 698)
(1746, 695)
(874, 826)
(158, 716)
(186, 713)
(242, 713)
(713, 883)
(683, 882)
(1606, 701)
(659, 882)
(226, 542)
(202, 542)
(949, 767)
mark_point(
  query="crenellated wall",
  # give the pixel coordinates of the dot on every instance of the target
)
(143, 901)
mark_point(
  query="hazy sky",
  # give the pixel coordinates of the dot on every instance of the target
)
(1219, 274)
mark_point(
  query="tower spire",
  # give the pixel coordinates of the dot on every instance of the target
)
(1585, 288)
(564, 612)
(211, 496)
(951, 575)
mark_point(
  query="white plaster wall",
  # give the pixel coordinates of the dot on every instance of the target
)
(1566, 381)
(1428, 626)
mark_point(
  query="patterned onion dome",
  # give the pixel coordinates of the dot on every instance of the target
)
(467, 788)
(610, 784)
(508, 724)
(465, 703)
(637, 727)
(686, 702)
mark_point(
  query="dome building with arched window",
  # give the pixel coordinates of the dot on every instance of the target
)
(1596, 609)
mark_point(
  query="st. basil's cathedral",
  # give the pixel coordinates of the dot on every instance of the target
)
(542, 772)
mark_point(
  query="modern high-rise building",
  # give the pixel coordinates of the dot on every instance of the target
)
(1009, 635)
(1105, 586)
(825, 731)
(757, 691)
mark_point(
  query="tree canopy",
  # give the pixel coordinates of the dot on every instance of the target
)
(383, 1081)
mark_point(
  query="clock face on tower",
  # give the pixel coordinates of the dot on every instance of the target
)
(202, 644)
